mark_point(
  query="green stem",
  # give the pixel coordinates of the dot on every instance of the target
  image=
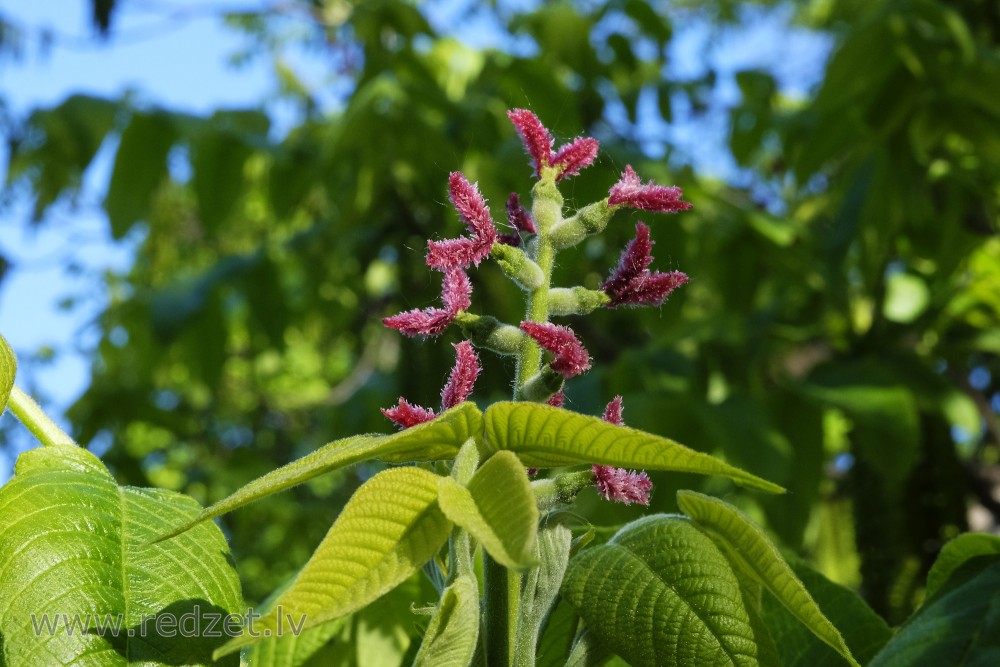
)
(31, 415)
(498, 627)
(547, 211)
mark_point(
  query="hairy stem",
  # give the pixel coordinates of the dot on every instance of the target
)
(40, 424)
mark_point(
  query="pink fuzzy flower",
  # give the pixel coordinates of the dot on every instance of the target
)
(618, 484)
(472, 209)
(518, 216)
(557, 399)
(571, 158)
(406, 415)
(571, 358)
(630, 191)
(613, 412)
(537, 140)
(622, 486)
(456, 293)
(632, 284)
(463, 376)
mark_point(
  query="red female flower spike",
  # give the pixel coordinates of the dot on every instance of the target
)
(622, 486)
(571, 358)
(632, 284)
(630, 191)
(571, 158)
(456, 253)
(613, 413)
(557, 399)
(463, 376)
(471, 206)
(518, 216)
(536, 139)
(405, 415)
(426, 322)
(456, 293)
(464, 251)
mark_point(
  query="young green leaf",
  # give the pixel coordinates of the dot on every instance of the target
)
(75, 553)
(543, 436)
(290, 650)
(658, 584)
(754, 553)
(438, 439)
(8, 369)
(389, 528)
(541, 587)
(497, 508)
(454, 630)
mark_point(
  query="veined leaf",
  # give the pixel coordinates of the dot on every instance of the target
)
(290, 650)
(864, 631)
(497, 508)
(390, 527)
(8, 369)
(543, 437)
(755, 554)
(431, 441)
(662, 594)
(452, 635)
(75, 553)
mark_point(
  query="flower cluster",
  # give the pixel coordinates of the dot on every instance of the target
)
(548, 354)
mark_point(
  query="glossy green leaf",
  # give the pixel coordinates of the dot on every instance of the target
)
(543, 437)
(430, 441)
(390, 527)
(75, 549)
(454, 630)
(864, 631)
(497, 508)
(955, 553)
(8, 370)
(657, 584)
(754, 553)
(960, 627)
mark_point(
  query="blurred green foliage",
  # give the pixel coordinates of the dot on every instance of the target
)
(840, 297)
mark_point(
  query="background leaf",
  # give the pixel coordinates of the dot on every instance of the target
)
(451, 637)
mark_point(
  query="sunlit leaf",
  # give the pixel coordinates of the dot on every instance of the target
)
(497, 508)
(454, 630)
(8, 369)
(754, 553)
(544, 436)
(75, 547)
(386, 532)
(431, 441)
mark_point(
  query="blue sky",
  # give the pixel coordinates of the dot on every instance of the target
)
(177, 54)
